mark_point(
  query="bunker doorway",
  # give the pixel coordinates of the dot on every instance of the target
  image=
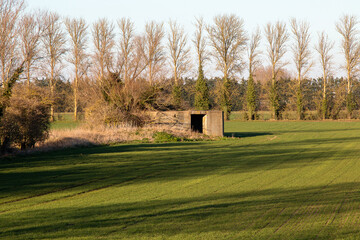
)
(197, 122)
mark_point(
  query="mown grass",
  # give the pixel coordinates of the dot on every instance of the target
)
(273, 180)
(64, 121)
(290, 115)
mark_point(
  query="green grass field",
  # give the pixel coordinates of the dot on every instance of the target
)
(64, 121)
(273, 180)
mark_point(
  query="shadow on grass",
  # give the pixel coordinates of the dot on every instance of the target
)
(321, 212)
(99, 167)
(246, 134)
(286, 213)
(318, 130)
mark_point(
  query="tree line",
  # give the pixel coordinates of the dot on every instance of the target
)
(115, 72)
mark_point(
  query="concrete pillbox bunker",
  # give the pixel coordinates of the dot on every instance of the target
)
(208, 122)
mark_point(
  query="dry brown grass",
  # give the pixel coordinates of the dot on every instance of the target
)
(87, 136)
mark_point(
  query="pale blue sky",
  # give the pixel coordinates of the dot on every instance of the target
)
(322, 14)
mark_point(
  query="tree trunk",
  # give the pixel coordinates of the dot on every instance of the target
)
(28, 73)
(75, 98)
(75, 91)
(52, 116)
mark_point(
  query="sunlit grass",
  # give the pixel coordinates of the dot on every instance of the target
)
(273, 180)
(65, 121)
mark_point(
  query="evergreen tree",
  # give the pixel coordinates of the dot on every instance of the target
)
(274, 100)
(299, 103)
(202, 101)
(251, 98)
(350, 104)
(325, 107)
(176, 96)
(225, 98)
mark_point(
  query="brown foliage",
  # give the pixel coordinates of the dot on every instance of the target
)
(117, 102)
(26, 120)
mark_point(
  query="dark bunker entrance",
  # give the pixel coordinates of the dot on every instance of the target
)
(197, 122)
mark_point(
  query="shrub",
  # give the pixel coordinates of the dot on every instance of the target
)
(27, 119)
(161, 137)
(117, 103)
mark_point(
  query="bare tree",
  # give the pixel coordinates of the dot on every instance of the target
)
(254, 52)
(276, 36)
(301, 57)
(179, 57)
(200, 42)
(10, 11)
(54, 44)
(104, 42)
(77, 30)
(179, 52)
(228, 40)
(301, 48)
(126, 44)
(30, 33)
(131, 58)
(153, 49)
(347, 26)
(324, 47)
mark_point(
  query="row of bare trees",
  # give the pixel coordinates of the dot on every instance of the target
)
(41, 41)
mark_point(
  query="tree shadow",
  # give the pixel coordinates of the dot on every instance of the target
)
(90, 168)
(74, 172)
(315, 212)
(317, 130)
(246, 134)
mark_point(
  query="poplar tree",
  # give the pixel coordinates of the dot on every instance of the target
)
(179, 58)
(54, 42)
(202, 90)
(254, 62)
(324, 47)
(276, 36)
(302, 59)
(228, 39)
(348, 29)
(77, 30)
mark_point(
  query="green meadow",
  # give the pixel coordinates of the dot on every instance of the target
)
(267, 180)
(65, 121)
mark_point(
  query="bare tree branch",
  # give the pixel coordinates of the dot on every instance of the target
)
(103, 38)
(347, 27)
(30, 32)
(153, 49)
(10, 11)
(54, 42)
(254, 52)
(228, 40)
(179, 53)
(324, 47)
(131, 47)
(301, 48)
(276, 36)
(126, 44)
(200, 41)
